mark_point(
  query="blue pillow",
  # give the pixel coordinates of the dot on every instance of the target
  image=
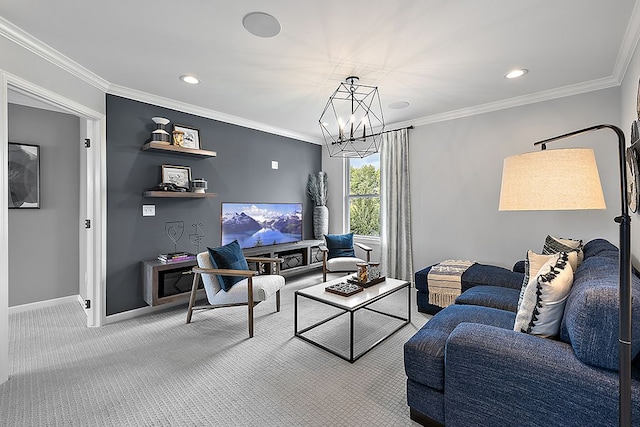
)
(228, 257)
(340, 245)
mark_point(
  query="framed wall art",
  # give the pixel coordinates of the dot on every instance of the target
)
(177, 175)
(190, 136)
(24, 176)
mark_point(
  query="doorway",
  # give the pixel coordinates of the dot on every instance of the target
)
(92, 240)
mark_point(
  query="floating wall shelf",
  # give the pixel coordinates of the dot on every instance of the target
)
(184, 195)
(155, 146)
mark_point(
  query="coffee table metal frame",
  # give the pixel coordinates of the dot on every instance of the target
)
(349, 305)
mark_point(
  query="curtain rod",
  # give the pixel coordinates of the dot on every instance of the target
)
(392, 130)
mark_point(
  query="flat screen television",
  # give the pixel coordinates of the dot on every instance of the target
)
(261, 224)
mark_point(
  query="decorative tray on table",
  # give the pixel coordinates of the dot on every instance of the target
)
(344, 289)
(354, 280)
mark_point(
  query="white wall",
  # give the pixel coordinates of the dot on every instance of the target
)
(26, 65)
(456, 170)
(628, 96)
(336, 194)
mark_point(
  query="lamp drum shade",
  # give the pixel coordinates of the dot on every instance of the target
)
(563, 179)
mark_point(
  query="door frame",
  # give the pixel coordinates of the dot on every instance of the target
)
(93, 125)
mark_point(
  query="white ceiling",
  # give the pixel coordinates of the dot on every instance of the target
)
(444, 57)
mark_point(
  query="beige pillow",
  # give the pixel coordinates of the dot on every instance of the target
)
(535, 261)
(543, 300)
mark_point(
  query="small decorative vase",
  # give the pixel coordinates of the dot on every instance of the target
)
(374, 270)
(320, 221)
(160, 134)
(363, 273)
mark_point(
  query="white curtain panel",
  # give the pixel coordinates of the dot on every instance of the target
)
(395, 205)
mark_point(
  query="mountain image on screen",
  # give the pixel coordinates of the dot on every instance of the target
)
(261, 224)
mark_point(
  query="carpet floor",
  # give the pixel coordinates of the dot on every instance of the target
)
(155, 370)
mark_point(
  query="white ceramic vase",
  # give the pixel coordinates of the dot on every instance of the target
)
(320, 221)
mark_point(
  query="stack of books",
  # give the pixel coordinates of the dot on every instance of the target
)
(177, 257)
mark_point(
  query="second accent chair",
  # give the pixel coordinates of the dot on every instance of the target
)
(228, 282)
(338, 256)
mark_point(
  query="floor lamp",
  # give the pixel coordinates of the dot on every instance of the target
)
(538, 181)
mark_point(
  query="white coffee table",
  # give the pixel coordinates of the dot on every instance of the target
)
(351, 304)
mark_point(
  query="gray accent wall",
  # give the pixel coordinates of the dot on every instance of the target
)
(43, 243)
(240, 173)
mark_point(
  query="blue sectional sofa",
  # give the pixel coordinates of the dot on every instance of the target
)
(468, 367)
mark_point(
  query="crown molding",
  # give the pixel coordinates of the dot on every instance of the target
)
(25, 93)
(625, 54)
(628, 46)
(207, 113)
(519, 101)
(32, 44)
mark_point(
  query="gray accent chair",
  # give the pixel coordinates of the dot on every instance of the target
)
(342, 264)
(253, 288)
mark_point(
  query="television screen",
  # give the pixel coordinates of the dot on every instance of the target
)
(261, 224)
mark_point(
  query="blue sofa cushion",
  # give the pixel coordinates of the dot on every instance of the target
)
(590, 321)
(483, 274)
(228, 257)
(491, 296)
(339, 245)
(424, 352)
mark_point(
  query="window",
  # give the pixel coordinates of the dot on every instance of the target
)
(364, 195)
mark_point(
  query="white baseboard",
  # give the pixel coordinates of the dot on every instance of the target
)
(137, 312)
(48, 303)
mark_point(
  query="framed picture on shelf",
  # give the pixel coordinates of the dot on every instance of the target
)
(190, 136)
(177, 175)
(24, 176)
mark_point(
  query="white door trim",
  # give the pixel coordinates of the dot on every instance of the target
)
(4, 227)
(96, 193)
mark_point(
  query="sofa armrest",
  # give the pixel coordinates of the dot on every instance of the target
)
(519, 266)
(491, 275)
(497, 376)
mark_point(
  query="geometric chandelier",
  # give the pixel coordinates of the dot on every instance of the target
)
(352, 123)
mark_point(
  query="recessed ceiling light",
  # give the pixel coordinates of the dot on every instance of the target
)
(398, 105)
(514, 74)
(192, 80)
(261, 24)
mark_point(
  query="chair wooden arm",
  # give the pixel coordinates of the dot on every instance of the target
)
(323, 248)
(223, 272)
(364, 248)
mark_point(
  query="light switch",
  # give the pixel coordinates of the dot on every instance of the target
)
(148, 210)
(274, 164)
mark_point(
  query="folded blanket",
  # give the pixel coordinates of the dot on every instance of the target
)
(445, 283)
